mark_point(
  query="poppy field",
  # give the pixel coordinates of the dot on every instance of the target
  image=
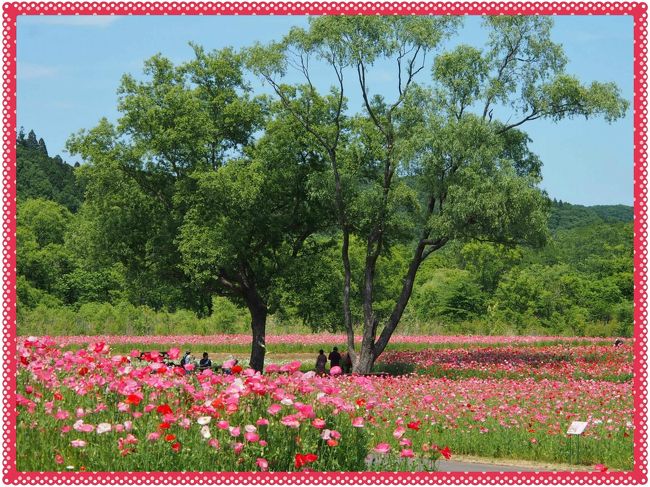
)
(90, 407)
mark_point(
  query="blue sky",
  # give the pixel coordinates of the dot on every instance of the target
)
(69, 69)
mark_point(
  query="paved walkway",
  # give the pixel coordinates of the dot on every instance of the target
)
(458, 466)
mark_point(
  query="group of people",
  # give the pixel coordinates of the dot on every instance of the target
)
(229, 367)
(344, 362)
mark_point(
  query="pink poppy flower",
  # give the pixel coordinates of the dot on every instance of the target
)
(251, 437)
(336, 370)
(290, 421)
(262, 464)
(382, 448)
(62, 414)
(406, 453)
(78, 443)
(82, 427)
(274, 409)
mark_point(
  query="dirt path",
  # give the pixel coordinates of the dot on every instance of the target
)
(477, 464)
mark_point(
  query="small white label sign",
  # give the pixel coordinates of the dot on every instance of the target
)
(577, 428)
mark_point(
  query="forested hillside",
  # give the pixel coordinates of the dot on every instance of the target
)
(41, 176)
(566, 216)
(580, 283)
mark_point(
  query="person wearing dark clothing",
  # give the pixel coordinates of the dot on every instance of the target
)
(205, 362)
(618, 342)
(321, 361)
(346, 363)
(335, 358)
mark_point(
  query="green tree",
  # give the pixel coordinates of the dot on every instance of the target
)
(472, 174)
(488, 262)
(180, 195)
(450, 295)
(250, 219)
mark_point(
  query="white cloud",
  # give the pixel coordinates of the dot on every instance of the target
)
(70, 20)
(27, 71)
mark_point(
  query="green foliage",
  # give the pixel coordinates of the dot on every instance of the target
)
(42, 177)
(49, 317)
(565, 216)
(488, 262)
(449, 295)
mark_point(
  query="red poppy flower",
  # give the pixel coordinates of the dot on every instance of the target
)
(83, 371)
(176, 447)
(236, 369)
(58, 396)
(302, 460)
(445, 452)
(133, 399)
(170, 437)
(218, 404)
(164, 426)
(164, 409)
(24, 361)
(414, 425)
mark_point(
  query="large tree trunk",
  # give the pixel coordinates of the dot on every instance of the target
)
(365, 361)
(347, 314)
(258, 313)
(366, 356)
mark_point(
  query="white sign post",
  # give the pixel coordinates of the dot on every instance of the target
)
(575, 430)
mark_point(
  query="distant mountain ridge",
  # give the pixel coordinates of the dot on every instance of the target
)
(565, 216)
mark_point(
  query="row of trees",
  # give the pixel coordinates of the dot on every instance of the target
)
(581, 283)
(205, 188)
